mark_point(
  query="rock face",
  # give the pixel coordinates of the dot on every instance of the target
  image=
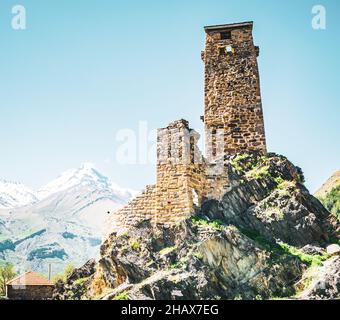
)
(74, 286)
(260, 241)
(325, 284)
(277, 205)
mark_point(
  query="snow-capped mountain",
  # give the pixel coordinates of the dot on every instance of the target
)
(14, 195)
(86, 175)
(61, 223)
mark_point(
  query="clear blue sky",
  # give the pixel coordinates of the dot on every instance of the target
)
(85, 69)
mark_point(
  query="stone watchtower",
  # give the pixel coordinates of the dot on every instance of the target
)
(233, 110)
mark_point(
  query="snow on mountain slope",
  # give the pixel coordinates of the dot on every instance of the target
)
(15, 195)
(86, 175)
(65, 225)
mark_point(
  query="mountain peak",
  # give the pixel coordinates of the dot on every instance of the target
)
(86, 176)
(14, 194)
(87, 166)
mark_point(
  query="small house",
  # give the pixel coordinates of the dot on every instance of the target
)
(29, 286)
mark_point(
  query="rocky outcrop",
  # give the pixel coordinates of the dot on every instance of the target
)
(273, 201)
(260, 241)
(324, 281)
(194, 261)
(75, 285)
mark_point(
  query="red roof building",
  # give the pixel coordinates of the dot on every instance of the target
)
(29, 286)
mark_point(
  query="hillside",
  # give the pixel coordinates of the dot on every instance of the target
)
(330, 184)
(267, 238)
(329, 194)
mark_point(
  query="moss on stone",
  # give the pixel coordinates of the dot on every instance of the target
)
(81, 281)
(258, 172)
(134, 244)
(167, 250)
(122, 296)
(214, 224)
(311, 260)
(281, 248)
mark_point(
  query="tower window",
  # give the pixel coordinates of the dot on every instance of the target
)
(226, 35)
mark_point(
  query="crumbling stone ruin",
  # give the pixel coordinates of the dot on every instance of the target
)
(233, 122)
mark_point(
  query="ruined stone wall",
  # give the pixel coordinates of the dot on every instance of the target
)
(179, 185)
(179, 189)
(233, 110)
(179, 171)
(140, 208)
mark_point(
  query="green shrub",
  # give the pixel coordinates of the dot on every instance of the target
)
(7, 273)
(198, 255)
(241, 157)
(134, 244)
(241, 164)
(311, 260)
(64, 275)
(175, 265)
(258, 172)
(279, 181)
(214, 224)
(122, 296)
(283, 248)
(81, 281)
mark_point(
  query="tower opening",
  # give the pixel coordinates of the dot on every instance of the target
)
(226, 35)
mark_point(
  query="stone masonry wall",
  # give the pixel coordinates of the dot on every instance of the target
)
(141, 207)
(179, 171)
(29, 292)
(180, 181)
(233, 110)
